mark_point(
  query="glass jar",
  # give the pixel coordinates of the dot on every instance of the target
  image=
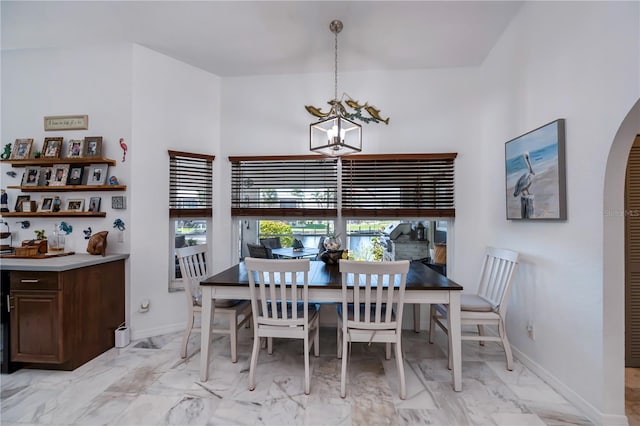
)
(56, 240)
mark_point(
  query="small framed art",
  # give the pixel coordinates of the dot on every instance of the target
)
(31, 176)
(75, 148)
(75, 175)
(51, 147)
(46, 202)
(60, 173)
(93, 146)
(75, 205)
(21, 149)
(66, 122)
(19, 200)
(94, 204)
(97, 174)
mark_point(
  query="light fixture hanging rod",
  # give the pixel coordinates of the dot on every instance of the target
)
(335, 26)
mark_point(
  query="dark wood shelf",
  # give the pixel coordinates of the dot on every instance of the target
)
(53, 214)
(68, 188)
(51, 161)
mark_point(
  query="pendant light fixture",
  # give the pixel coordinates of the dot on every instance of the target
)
(335, 135)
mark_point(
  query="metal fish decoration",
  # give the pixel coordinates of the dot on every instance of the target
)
(337, 107)
(316, 111)
(375, 113)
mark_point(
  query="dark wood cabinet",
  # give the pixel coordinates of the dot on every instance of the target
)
(60, 320)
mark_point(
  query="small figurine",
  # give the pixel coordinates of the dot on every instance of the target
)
(87, 233)
(118, 223)
(11, 173)
(113, 180)
(7, 152)
(4, 207)
(64, 226)
(55, 207)
(98, 243)
(24, 224)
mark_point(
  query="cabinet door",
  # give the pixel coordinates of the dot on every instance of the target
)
(36, 333)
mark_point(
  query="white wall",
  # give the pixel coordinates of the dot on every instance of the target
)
(174, 106)
(577, 61)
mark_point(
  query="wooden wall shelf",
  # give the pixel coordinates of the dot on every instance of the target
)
(51, 161)
(69, 188)
(53, 214)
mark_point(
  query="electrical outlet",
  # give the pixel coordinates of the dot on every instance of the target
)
(531, 331)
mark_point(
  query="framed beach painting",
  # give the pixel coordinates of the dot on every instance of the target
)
(535, 174)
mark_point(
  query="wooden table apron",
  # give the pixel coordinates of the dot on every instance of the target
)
(423, 286)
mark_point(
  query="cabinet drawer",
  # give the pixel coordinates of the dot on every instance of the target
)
(27, 280)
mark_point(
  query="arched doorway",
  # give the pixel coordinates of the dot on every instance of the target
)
(613, 262)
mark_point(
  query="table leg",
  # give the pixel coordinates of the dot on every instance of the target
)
(416, 317)
(455, 336)
(205, 330)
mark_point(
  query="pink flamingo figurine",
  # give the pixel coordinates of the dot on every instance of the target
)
(124, 149)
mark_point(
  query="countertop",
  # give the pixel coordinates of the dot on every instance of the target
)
(59, 264)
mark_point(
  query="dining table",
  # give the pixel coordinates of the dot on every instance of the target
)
(293, 253)
(423, 285)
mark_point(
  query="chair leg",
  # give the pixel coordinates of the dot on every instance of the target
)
(432, 324)
(233, 336)
(187, 333)
(400, 363)
(316, 340)
(339, 340)
(481, 333)
(505, 344)
(343, 377)
(270, 345)
(306, 365)
(254, 361)
(387, 354)
(416, 317)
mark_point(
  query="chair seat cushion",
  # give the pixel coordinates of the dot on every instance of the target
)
(474, 303)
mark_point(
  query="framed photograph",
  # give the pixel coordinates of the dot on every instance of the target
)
(75, 205)
(93, 146)
(75, 175)
(59, 175)
(20, 200)
(31, 176)
(66, 122)
(46, 202)
(21, 149)
(75, 148)
(46, 173)
(535, 174)
(94, 204)
(97, 174)
(51, 147)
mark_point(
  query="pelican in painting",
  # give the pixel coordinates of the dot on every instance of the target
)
(525, 181)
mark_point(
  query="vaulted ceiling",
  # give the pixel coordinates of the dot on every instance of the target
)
(239, 38)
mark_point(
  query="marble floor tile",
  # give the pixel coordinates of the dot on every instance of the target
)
(147, 383)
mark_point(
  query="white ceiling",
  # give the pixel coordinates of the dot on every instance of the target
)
(235, 38)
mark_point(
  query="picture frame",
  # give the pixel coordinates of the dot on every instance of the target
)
(31, 176)
(59, 176)
(94, 204)
(66, 122)
(75, 175)
(97, 174)
(46, 203)
(535, 174)
(75, 148)
(75, 205)
(19, 200)
(46, 173)
(92, 146)
(51, 147)
(22, 149)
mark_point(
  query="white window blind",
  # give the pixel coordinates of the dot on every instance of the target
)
(190, 184)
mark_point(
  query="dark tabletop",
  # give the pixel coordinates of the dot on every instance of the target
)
(420, 277)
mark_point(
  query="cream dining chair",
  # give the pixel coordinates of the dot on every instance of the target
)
(236, 313)
(373, 316)
(280, 303)
(488, 306)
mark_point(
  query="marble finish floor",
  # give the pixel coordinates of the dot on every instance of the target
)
(147, 383)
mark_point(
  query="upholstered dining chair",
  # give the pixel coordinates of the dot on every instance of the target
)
(259, 251)
(279, 311)
(236, 313)
(488, 306)
(373, 316)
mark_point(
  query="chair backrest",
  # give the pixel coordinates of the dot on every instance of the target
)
(274, 283)
(273, 242)
(259, 251)
(496, 277)
(193, 267)
(372, 309)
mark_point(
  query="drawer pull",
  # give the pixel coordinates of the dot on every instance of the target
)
(29, 281)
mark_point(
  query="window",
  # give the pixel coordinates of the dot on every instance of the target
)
(190, 204)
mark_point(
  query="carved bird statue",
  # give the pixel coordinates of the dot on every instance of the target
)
(124, 149)
(525, 181)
